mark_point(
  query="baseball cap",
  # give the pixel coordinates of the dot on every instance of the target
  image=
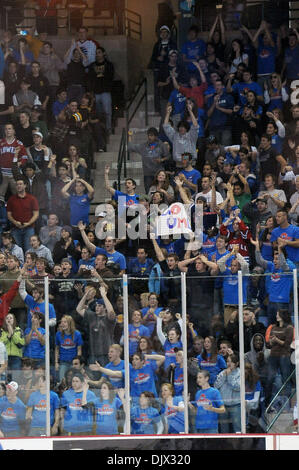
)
(172, 51)
(67, 228)
(262, 199)
(165, 27)
(66, 260)
(13, 386)
(100, 302)
(101, 214)
(211, 139)
(37, 133)
(37, 107)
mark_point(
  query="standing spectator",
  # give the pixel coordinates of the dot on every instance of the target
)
(12, 412)
(87, 46)
(22, 212)
(100, 323)
(65, 297)
(50, 65)
(219, 111)
(228, 382)
(291, 58)
(159, 57)
(79, 200)
(172, 410)
(100, 77)
(39, 84)
(11, 149)
(287, 236)
(69, 343)
(36, 409)
(153, 153)
(35, 340)
(207, 405)
(12, 336)
(209, 359)
(193, 49)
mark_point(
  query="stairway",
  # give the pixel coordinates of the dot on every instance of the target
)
(138, 129)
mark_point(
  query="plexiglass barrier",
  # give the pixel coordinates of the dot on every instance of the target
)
(185, 353)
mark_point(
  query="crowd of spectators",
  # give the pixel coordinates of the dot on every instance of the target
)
(227, 142)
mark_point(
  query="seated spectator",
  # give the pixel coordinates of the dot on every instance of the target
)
(9, 246)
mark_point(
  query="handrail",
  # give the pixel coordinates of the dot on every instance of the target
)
(122, 157)
(123, 154)
(283, 406)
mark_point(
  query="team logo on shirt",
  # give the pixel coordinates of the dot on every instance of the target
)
(76, 405)
(141, 378)
(142, 419)
(105, 410)
(9, 414)
(41, 405)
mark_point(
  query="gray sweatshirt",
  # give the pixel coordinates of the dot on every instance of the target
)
(182, 143)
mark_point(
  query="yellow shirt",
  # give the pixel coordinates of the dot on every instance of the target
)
(35, 45)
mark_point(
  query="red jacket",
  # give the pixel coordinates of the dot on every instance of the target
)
(197, 93)
(243, 239)
(6, 299)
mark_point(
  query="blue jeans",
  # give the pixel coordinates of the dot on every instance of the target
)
(283, 365)
(207, 431)
(230, 421)
(104, 106)
(22, 237)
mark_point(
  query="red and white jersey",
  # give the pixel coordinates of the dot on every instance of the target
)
(7, 154)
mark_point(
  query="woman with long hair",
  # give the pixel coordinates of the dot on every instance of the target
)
(237, 55)
(77, 163)
(253, 395)
(275, 94)
(279, 337)
(151, 311)
(161, 183)
(172, 410)
(145, 417)
(228, 382)
(13, 338)
(69, 343)
(106, 407)
(210, 360)
(264, 236)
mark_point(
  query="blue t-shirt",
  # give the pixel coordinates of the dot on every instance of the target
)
(140, 269)
(89, 263)
(242, 87)
(192, 176)
(68, 345)
(38, 401)
(174, 418)
(178, 380)
(134, 333)
(230, 288)
(178, 102)
(208, 244)
(129, 201)
(170, 352)
(11, 414)
(143, 420)
(115, 257)
(289, 233)
(219, 119)
(206, 419)
(77, 418)
(214, 367)
(106, 418)
(291, 58)
(215, 256)
(277, 143)
(58, 107)
(116, 382)
(279, 285)
(34, 307)
(193, 50)
(79, 209)
(266, 56)
(151, 322)
(34, 349)
(143, 379)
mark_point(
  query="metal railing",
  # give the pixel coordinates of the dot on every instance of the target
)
(284, 405)
(139, 94)
(126, 23)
